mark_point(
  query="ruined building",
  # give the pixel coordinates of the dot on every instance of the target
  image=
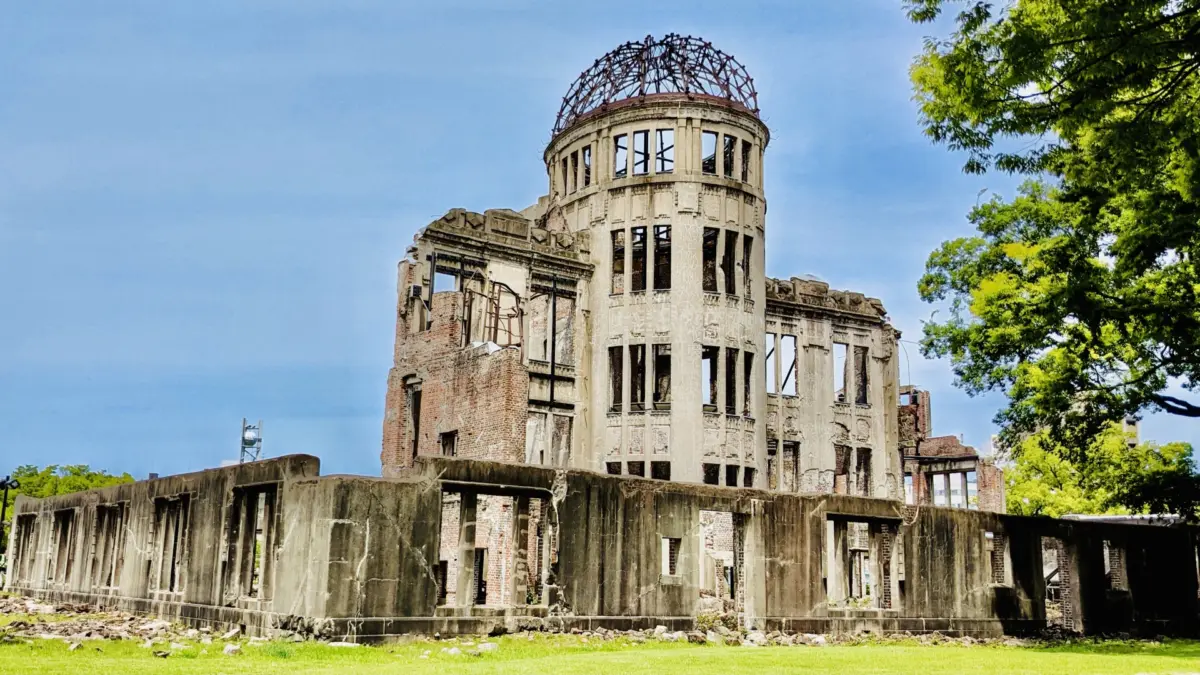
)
(602, 413)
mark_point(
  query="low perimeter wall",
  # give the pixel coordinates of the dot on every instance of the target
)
(273, 546)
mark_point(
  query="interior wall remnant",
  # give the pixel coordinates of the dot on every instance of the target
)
(618, 262)
(731, 381)
(841, 471)
(616, 378)
(637, 371)
(861, 376)
(662, 377)
(727, 262)
(662, 257)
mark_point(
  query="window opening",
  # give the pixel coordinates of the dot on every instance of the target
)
(708, 367)
(618, 262)
(862, 472)
(839, 372)
(616, 373)
(620, 156)
(745, 161)
(636, 469)
(731, 475)
(940, 495)
(660, 470)
(665, 152)
(638, 278)
(790, 373)
(860, 375)
(448, 440)
(730, 147)
(727, 262)
(708, 150)
(64, 547)
(909, 497)
(841, 471)
(414, 415)
(731, 392)
(613, 468)
(641, 153)
(710, 259)
(747, 383)
(443, 574)
(958, 497)
(662, 377)
(995, 545)
(747, 261)
(748, 477)
(790, 465)
(670, 556)
(972, 490)
(712, 474)
(481, 560)
(574, 171)
(587, 165)
(1114, 566)
(637, 371)
(662, 257)
(110, 544)
(171, 520)
(565, 183)
(769, 366)
(27, 540)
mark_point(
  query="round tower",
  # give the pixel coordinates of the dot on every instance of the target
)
(657, 154)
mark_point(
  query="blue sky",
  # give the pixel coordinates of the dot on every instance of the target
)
(202, 204)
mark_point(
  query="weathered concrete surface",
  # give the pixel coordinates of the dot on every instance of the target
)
(357, 558)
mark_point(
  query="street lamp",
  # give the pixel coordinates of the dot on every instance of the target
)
(8, 483)
(251, 441)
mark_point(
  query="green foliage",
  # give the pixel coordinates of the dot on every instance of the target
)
(1119, 478)
(59, 480)
(1078, 298)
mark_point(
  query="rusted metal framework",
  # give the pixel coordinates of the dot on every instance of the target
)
(673, 65)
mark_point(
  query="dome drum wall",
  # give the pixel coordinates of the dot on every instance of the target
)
(685, 175)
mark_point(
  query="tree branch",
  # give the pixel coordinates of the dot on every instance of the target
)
(1176, 406)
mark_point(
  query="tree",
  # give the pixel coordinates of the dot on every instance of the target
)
(1120, 478)
(57, 480)
(1078, 297)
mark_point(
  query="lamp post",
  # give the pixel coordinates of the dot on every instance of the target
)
(251, 441)
(8, 483)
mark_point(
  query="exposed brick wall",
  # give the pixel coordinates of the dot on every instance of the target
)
(990, 487)
(943, 446)
(483, 396)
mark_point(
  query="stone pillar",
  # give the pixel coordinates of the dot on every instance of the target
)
(465, 596)
(519, 580)
(754, 572)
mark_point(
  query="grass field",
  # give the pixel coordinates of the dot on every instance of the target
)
(564, 655)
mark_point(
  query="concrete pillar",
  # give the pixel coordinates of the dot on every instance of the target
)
(835, 562)
(465, 596)
(549, 541)
(519, 580)
(754, 573)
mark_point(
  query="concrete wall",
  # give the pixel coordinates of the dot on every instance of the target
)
(357, 557)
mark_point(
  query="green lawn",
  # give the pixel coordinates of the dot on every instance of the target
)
(563, 655)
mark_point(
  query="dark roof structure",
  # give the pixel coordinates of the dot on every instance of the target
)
(672, 65)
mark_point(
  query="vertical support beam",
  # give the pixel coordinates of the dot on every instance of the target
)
(465, 593)
(754, 573)
(519, 585)
(836, 575)
(549, 541)
(874, 550)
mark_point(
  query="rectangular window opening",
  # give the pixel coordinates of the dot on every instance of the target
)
(958, 491)
(712, 474)
(638, 255)
(26, 538)
(747, 262)
(841, 470)
(708, 368)
(708, 151)
(63, 562)
(618, 262)
(170, 526)
(560, 439)
(616, 376)
(727, 262)
(909, 496)
(613, 468)
(641, 153)
(637, 374)
(745, 161)
(709, 270)
(636, 469)
(660, 470)
(972, 490)
(862, 472)
(110, 545)
(1115, 571)
(448, 440)
(574, 171)
(728, 154)
(731, 381)
(861, 378)
(670, 556)
(731, 475)
(941, 497)
(587, 165)
(790, 467)
(662, 377)
(788, 359)
(414, 416)
(620, 156)
(769, 365)
(748, 477)
(665, 151)
(565, 182)
(481, 576)
(662, 257)
(747, 384)
(996, 551)
(840, 364)
(443, 574)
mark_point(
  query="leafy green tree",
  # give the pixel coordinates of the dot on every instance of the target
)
(57, 480)
(1078, 297)
(1119, 478)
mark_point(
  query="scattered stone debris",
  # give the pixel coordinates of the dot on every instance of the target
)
(231, 649)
